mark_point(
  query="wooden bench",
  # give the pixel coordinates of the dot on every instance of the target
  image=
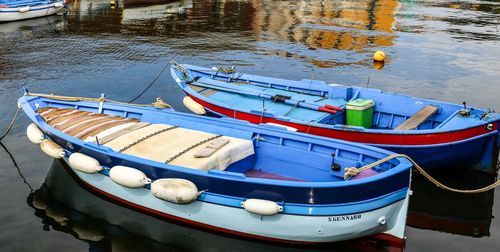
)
(418, 118)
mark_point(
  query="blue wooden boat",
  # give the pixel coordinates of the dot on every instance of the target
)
(435, 134)
(225, 175)
(13, 10)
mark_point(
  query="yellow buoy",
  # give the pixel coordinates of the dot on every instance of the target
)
(113, 3)
(379, 56)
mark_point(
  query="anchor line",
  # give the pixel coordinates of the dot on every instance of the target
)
(11, 124)
(17, 167)
(352, 171)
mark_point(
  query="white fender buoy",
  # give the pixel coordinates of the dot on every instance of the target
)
(128, 177)
(180, 191)
(24, 9)
(52, 149)
(84, 163)
(289, 128)
(34, 134)
(261, 207)
(193, 106)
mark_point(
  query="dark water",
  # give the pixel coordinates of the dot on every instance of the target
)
(447, 50)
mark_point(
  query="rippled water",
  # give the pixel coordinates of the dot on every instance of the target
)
(445, 50)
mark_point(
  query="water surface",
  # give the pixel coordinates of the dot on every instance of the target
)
(446, 50)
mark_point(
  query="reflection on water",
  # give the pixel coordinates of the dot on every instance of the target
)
(465, 214)
(446, 50)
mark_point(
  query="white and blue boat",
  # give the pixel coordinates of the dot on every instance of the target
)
(225, 175)
(435, 134)
(12, 10)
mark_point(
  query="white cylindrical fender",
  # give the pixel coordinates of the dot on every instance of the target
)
(24, 9)
(84, 163)
(128, 177)
(34, 134)
(180, 191)
(262, 207)
(52, 149)
(194, 106)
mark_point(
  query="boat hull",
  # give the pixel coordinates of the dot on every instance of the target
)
(14, 14)
(475, 148)
(282, 228)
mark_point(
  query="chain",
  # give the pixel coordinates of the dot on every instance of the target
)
(146, 137)
(192, 147)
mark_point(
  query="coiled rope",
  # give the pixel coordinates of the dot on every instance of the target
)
(352, 171)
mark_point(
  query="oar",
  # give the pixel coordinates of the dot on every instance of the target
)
(275, 98)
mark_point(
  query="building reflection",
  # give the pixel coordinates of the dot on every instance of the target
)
(326, 24)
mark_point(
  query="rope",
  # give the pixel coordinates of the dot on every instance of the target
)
(150, 84)
(352, 171)
(11, 124)
(77, 98)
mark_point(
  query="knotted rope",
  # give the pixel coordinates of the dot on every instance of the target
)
(352, 171)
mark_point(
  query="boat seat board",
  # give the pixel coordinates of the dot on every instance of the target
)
(418, 118)
(161, 147)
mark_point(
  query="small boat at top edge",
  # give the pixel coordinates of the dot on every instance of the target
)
(226, 175)
(435, 134)
(13, 10)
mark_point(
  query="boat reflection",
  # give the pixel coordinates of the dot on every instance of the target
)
(139, 13)
(464, 214)
(66, 205)
(33, 27)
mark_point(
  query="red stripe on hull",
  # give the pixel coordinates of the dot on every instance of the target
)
(355, 136)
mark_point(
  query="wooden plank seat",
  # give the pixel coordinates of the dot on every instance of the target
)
(418, 118)
(159, 142)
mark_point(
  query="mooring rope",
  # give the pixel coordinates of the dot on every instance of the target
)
(352, 171)
(11, 124)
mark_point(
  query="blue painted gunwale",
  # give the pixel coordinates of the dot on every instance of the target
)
(227, 188)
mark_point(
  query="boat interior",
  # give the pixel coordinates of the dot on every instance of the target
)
(390, 111)
(203, 144)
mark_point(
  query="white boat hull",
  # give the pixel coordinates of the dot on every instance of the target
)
(389, 220)
(20, 13)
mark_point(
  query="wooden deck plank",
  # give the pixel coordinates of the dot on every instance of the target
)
(418, 118)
